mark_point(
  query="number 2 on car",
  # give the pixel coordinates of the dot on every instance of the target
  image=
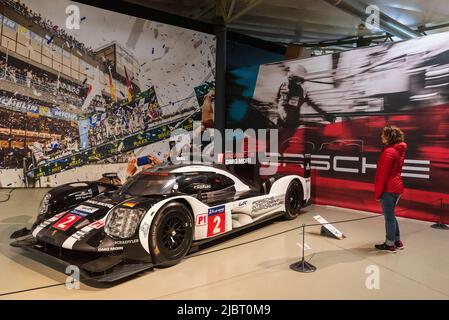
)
(216, 221)
(66, 222)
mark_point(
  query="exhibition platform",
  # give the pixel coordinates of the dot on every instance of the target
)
(253, 265)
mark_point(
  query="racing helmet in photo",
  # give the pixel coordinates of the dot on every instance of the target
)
(297, 71)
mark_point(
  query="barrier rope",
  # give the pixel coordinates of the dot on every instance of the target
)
(221, 249)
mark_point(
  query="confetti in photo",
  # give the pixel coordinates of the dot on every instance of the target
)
(82, 90)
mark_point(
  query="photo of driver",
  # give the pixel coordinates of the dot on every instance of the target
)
(292, 95)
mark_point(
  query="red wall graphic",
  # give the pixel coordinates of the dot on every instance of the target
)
(335, 106)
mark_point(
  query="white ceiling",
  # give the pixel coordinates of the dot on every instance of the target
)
(289, 21)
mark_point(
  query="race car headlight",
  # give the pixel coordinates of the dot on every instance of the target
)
(43, 206)
(122, 222)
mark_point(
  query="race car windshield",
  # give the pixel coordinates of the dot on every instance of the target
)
(149, 183)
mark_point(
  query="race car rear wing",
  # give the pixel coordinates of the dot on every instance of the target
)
(303, 160)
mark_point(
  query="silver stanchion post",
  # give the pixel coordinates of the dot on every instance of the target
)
(302, 265)
(440, 225)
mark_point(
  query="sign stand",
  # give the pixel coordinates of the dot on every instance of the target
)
(326, 233)
(328, 230)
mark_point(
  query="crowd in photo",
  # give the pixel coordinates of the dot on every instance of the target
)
(48, 25)
(32, 135)
(66, 92)
(11, 157)
(37, 149)
(27, 136)
(116, 124)
(25, 99)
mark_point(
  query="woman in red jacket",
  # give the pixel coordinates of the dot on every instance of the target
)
(388, 184)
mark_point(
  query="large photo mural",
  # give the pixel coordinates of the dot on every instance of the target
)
(78, 101)
(334, 107)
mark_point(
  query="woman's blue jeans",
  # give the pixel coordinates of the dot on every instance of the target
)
(388, 202)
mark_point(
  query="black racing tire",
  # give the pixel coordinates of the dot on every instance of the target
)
(171, 234)
(293, 200)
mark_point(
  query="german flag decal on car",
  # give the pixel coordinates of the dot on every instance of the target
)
(129, 204)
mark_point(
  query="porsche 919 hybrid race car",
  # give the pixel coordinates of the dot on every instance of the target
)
(155, 218)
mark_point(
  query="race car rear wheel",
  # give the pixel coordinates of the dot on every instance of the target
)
(171, 234)
(293, 200)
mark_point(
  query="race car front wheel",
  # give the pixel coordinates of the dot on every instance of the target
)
(171, 234)
(293, 200)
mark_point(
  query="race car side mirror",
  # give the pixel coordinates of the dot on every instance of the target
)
(201, 196)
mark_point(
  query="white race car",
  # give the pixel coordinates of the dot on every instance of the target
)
(155, 218)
